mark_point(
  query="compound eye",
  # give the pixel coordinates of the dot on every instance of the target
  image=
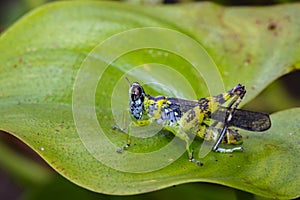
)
(135, 93)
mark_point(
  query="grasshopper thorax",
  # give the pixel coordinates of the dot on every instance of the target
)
(136, 102)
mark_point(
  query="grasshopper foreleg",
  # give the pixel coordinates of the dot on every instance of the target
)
(123, 130)
(127, 131)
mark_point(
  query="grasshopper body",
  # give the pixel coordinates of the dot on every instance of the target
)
(206, 117)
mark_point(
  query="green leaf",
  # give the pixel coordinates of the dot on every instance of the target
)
(42, 53)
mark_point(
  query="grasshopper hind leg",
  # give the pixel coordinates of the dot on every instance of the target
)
(115, 127)
(232, 137)
(229, 150)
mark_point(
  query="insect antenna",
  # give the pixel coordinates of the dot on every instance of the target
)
(128, 81)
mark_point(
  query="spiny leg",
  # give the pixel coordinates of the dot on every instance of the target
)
(126, 146)
(229, 150)
(232, 138)
(220, 138)
(123, 130)
(116, 127)
(238, 93)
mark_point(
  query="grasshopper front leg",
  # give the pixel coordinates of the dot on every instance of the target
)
(123, 130)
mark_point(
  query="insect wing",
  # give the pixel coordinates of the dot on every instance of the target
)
(245, 119)
(250, 120)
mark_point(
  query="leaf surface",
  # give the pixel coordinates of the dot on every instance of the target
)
(43, 52)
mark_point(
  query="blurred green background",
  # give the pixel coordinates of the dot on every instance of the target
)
(24, 175)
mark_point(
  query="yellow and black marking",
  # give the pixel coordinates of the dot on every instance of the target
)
(182, 117)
